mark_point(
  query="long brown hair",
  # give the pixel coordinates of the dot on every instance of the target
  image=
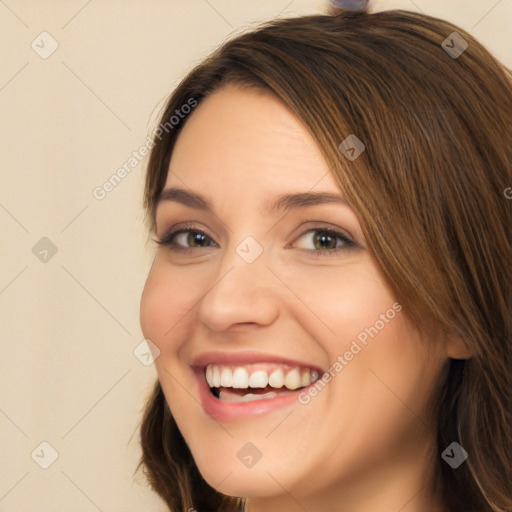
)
(429, 189)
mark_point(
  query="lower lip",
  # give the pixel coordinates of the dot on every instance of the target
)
(231, 411)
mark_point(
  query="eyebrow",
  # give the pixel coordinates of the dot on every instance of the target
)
(283, 203)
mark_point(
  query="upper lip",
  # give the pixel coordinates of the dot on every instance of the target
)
(239, 358)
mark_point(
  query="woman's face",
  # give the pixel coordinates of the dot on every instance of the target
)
(248, 291)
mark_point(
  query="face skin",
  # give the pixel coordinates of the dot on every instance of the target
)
(363, 442)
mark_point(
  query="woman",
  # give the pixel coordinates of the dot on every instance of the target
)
(330, 296)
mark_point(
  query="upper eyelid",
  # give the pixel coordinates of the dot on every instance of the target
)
(184, 227)
(192, 225)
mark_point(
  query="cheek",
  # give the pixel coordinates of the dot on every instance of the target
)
(153, 308)
(345, 302)
(168, 296)
(381, 370)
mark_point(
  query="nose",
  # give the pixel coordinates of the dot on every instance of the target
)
(241, 293)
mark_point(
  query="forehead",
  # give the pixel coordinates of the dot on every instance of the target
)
(247, 139)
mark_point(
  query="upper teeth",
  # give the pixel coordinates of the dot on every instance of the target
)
(253, 377)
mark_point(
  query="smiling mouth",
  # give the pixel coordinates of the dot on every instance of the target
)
(252, 382)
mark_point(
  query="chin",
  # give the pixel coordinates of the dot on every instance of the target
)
(247, 486)
(234, 479)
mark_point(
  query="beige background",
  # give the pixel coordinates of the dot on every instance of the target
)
(70, 325)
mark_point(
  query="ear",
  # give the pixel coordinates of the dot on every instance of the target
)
(457, 348)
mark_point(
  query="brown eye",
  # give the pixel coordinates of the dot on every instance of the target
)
(185, 238)
(327, 241)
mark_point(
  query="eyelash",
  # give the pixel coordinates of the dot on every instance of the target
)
(168, 240)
